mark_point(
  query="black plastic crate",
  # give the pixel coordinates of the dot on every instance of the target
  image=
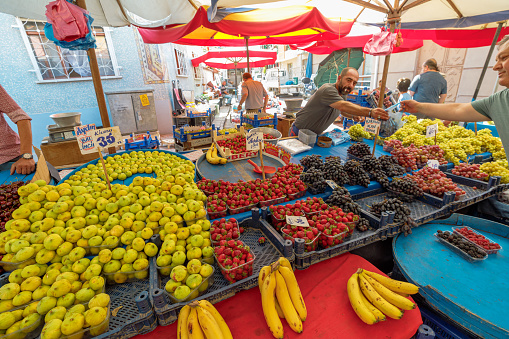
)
(265, 254)
(483, 190)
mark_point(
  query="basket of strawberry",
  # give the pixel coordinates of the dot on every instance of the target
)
(313, 205)
(234, 259)
(478, 239)
(279, 213)
(239, 202)
(269, 192)
(309, 234)
(224, 229)
(216, 205)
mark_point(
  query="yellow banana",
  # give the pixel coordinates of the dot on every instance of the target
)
(264, 272)
(209, 325)
(225, 330)
(390, 296)
(193, 326)
(383, 305)
(210, 159)
(393, 285)
(354, 294)
(376, 312)
(182, 322)
(291, 315)
(214, 151)
(279, 311)
(284, 262)
(294, 291)
(269, 308)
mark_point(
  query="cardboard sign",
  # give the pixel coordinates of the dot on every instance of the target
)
(431, 130)
(371, 125)
(107, 137)
(433, 164)
(297, 220)
(144, 100)
(83, 129)
(332, 184)
(253, 140)
(86, 144)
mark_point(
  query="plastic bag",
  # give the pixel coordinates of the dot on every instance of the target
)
(293, 146)
(381, 43)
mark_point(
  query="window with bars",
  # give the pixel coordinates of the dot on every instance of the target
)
(54, 63)
(180, 59)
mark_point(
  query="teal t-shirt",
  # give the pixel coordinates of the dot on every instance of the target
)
(496, 107)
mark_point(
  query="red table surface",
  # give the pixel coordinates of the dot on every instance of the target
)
(330, 314)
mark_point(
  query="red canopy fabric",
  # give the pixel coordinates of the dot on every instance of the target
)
(299, 24)
(330, 314)
(412, 40)
(227, 59)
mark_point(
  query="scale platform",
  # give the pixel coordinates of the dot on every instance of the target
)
(57, 133)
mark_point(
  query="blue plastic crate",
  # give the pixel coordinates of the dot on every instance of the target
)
(190, 114)
(255, 122)
(442, 327)
(167, 312)
(4, 278)
(183, 137)
(483, 190)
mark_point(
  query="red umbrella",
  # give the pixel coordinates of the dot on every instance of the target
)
(233, 59)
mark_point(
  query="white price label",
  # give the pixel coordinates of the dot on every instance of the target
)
(83, 129)
(331, 184)
(86, 144)
(253, 140)
(371, 125)
(107, 137)
(297, 221)
(431, 130)
(433, 164)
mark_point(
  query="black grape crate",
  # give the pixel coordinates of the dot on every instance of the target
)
(475, 190)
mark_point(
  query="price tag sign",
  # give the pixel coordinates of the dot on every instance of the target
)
(86, 144)
(253, 140)
(433, 164)
(371, 125)
(431, 130)
(83, 129)
(144, 100)
(331, 184)
(107, 137)
(297, 221)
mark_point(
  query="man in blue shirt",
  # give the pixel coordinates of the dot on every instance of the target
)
(429, 86)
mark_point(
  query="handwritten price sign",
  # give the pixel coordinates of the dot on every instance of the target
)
(86, 144)
(297, 221)
(371, 125)
(83, 129)
(253, 140)
(433, 164)
(107, 137)
(331, 184)
(431, 130)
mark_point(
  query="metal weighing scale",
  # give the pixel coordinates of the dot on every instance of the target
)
(57, 133)
(292, 107)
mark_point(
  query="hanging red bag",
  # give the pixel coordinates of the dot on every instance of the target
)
(380, 43)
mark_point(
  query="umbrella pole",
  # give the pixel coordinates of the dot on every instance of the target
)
(96, 78)
(384, 80)
(236, 83)
(486, 63)
(348, 60)
(247, 53)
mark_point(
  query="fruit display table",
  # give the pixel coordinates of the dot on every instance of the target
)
(453, 285)
(330, 314)
(7, 178)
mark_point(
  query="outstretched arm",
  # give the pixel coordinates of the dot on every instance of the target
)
(454, 112)
(353, 109)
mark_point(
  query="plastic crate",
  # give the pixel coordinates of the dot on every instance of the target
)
(482, 191)
(492, 251)
(181, 135)
(443, 328)
(358, 99)
(273, 248)
(191, 114)
(136, 315)
(255, 122)
(307, 137)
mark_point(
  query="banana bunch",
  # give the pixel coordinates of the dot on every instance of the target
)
(281, 297)
(212, 156)
(374, 296)
(200, 319)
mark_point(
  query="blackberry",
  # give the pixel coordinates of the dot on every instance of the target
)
(359, 149)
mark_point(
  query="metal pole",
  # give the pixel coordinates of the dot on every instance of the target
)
(348, 61)
(96, 78)
(247, 53)
(486, 63)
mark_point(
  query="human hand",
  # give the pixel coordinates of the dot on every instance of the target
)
(23, 166)
(409, 106)
(358, 118)
(379, 114)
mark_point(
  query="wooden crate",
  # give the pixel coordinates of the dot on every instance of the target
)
(226, 153)
(192, 144)
(65, 153)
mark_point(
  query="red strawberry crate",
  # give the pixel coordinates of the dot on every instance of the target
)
(279, 219)
(484, 243)
(226, 152)
(216, 215)
(217, 228)
(241, 209)
(309, 234)
(297, 195)
(272, 201)
(234, 270)
(327, 240)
